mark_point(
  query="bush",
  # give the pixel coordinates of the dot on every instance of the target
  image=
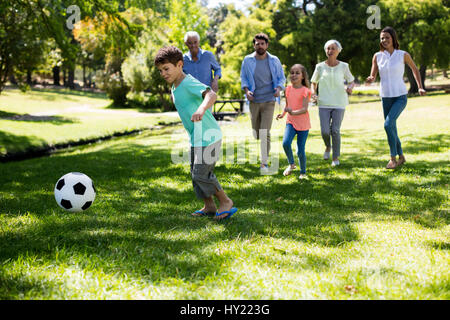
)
(112, 81)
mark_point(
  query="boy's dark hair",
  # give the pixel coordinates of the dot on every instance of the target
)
(394, 37)
(168, 54)
(261, 36)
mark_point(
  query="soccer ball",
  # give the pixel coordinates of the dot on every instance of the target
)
(75, 192)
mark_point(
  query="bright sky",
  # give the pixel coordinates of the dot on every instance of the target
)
(239, 4)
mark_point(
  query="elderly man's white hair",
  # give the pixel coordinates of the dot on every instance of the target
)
(191, 34)
(329, 42)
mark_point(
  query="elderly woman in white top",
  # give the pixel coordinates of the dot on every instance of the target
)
(390, 62)
(330, 76)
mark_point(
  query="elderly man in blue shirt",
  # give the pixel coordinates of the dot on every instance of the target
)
(201, 63)
(262, 79)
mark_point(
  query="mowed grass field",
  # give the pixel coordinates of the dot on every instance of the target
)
(357, 231)
(42, 118)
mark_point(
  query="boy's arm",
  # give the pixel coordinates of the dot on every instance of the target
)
(209, 98)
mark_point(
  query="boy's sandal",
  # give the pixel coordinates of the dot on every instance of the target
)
(288, 170)
(201, 213)
(232, 211)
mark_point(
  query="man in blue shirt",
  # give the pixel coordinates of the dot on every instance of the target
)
(262, 79)
(201, 63)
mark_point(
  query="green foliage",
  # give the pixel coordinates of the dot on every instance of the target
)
(184, 16)
(138, 69)
(236, 34)
(34, 36)
(423, 28)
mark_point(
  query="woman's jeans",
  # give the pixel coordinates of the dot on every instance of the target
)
(289, 135)
(392, 108)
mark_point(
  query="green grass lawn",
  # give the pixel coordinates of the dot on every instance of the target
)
(357, 231)
(38, 119)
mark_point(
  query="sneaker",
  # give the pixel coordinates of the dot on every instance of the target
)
(288, 170)
(392, 164)
(264, 169)
(335, 163)
(326, 155)
(303, 176)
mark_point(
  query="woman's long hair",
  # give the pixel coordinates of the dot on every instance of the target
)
(305, 80)
(394, 37)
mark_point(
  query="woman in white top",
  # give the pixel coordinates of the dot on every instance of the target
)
(330, 76)
(390, 62)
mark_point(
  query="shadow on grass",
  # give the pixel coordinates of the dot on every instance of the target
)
(65, 93)
(140, 223)
(56, 120)
(412, 144)
(15, 286)
(10, 141)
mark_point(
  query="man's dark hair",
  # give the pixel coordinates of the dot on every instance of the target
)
(261, 36)
(169, 54)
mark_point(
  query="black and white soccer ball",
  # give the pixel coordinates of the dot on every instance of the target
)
(75, 192)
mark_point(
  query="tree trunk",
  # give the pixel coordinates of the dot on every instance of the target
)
(71, 79)
(84, 77)
(423, 75)
(413, 88)
(64, 78)
(56, 77)
(12, 79)
(29, 82)
(444, 73)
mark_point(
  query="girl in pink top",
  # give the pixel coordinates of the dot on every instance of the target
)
(297, 123)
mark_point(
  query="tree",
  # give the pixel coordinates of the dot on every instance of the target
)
(21, 41)
(110, 38)
(236, 33)
(184, 16)
(423, 28)
(138, 69)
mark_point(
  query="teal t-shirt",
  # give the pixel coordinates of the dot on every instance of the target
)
(187, 97)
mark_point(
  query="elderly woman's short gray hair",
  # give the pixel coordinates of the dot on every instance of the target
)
(191, 34)
(329, 42)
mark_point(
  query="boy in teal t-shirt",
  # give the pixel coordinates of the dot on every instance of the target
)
(193, 101)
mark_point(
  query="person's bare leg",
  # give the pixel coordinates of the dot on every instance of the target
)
(209, 207)
(225, 204)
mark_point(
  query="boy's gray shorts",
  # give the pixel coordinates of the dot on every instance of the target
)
(203, 161)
